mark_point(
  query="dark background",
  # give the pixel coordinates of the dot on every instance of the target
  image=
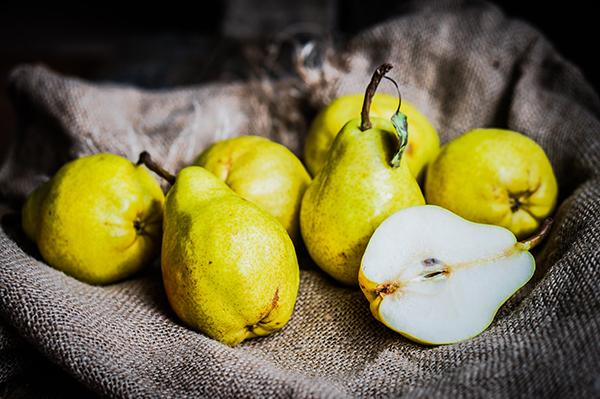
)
(171, 44)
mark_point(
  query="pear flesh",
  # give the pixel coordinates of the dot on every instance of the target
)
(98, 219)
(229, 268)
(437, 278)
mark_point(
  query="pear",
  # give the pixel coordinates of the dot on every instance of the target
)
(98, 219)
(437, 278)
(364, 180)
(423, 140)
(263, 172)
(229, 267)
(494, 176)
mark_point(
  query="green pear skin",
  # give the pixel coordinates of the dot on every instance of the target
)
(263, 172)
(229, 268)
(423, 140)
(98, 219)
(494, 176)
(356, 189)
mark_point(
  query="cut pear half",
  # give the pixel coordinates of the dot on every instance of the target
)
(437, 278)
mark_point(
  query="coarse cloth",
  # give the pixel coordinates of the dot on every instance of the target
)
(465, 65)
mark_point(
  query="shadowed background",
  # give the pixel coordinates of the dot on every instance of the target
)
(177, 45)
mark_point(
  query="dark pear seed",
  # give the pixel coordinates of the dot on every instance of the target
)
(432, 275)
(430, 262)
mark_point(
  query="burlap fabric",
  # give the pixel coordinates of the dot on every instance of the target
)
(465, 65)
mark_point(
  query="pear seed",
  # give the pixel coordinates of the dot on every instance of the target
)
(434, 274)
(430, 262)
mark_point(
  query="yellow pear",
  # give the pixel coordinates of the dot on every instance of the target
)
(363, 181)
(423, 141)
(263, 172)
(99, 219)
(229, 268)
(494, 176)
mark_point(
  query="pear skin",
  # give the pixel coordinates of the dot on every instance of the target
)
(99, 219)
(229, 268)
(263, 172)
(494, 176)
(356, 189)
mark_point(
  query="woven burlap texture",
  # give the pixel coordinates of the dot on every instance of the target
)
(464, 65)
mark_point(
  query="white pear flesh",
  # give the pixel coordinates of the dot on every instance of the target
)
(439, 278)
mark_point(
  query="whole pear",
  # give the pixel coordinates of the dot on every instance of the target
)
(263, 172)
(423, 140)
(229, 267)
(363, 181)
(98, 219)
(494, 176)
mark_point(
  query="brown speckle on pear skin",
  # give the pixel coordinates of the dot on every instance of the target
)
(274, 303)
(275, 300)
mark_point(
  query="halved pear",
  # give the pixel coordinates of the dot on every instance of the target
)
(437, 278)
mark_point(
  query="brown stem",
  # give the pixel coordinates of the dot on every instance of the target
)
(365, 123)
(539, 235)
(147, 160)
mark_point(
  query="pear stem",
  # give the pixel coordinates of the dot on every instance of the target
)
(365, 121)
(151, 164)
(538, 236)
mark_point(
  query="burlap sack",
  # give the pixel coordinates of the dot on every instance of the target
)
(465, 66)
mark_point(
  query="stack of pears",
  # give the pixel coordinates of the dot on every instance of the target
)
(228, 229)
(436, 273)
(229, 267)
